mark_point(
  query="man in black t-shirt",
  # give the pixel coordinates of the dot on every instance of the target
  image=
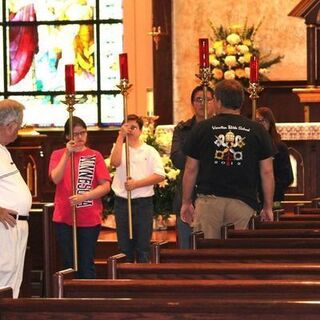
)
(225, 155)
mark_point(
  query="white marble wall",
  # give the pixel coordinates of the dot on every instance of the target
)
(282, 34)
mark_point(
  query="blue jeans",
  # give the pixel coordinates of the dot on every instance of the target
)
(138, 248)
(86, 239)
(184, 233)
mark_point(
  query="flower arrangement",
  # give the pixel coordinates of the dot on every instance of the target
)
(165, 190)
(231, 50)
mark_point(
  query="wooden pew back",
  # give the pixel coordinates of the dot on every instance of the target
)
(190, 288)
(227, 270)
(169, 309)
(165, 255)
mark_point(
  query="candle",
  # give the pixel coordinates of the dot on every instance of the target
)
(150, 107)
(123, 61)
(69, 78)
(254, 69)
(204, 53)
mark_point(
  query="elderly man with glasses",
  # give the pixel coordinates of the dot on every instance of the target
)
(15, 201)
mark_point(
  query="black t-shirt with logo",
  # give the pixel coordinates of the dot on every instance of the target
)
(229, 148)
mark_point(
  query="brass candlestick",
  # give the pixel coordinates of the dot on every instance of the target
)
(124, 86)
(205, 75)
(70, 102)
(254, 90)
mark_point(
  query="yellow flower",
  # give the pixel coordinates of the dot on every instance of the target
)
(233, 38)
(240, 73)
(213, 60)
(243, 48)
(165, 160)
(247, 57)
(231, 50)
(217, 73)
(247, 42)
(230, 61)
(229, 75)
(172, 174)
(163, 183)
(217, 44)
(219, 52)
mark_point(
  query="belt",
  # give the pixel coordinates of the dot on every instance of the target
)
(17, 217)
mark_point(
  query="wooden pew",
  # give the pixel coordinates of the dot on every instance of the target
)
(198, 242)
(155, 308)
(302, 209)
(228, 232)
(299, 217)
(221, 270)
(186, 288)
(285, 224)
(6, 292)
(161, 254)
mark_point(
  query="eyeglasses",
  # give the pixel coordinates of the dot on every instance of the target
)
(80, 133)
(201, 100)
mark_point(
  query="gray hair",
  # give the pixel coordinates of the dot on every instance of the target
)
(10, 110)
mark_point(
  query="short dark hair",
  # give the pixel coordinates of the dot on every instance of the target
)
(200, 88)
(76, 121)
(230, 93)
(137, 119)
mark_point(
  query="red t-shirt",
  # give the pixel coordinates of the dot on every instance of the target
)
(89, 169)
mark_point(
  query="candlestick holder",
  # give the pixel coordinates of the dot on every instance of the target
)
(70, 101)
(205, 75)
(254, 90)
(124, 87)
(149, 120)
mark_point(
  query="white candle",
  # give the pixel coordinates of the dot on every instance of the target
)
(150, 108)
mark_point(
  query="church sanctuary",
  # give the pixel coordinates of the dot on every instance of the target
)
(102, 60)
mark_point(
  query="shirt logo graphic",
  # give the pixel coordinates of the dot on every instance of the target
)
(229, 151)
(85, 177)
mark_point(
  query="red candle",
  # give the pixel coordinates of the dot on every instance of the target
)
(204, 53)
(123, 61)
(254, 69)
(69, 78)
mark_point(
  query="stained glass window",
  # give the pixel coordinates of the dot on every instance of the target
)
(41, 36)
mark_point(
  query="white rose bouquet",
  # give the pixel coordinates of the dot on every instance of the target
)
(231, 50)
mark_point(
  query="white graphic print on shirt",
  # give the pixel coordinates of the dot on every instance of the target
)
(87, 166)
(230, 145)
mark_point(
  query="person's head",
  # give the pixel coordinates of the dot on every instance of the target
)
(229, 94)
(265, 116)
(135, 125)
(197, 101)
(11, 115)
(79, 128)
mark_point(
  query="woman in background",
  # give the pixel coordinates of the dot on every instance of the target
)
(92, 181)
(283, 175)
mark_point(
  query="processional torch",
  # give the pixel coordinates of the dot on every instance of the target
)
(70, 102)
(254, 87)
(205, 74)
(124, 86)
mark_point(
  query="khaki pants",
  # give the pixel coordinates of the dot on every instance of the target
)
(212, 212)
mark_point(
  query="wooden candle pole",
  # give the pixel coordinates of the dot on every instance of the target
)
(124, 86)
(70, 102)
